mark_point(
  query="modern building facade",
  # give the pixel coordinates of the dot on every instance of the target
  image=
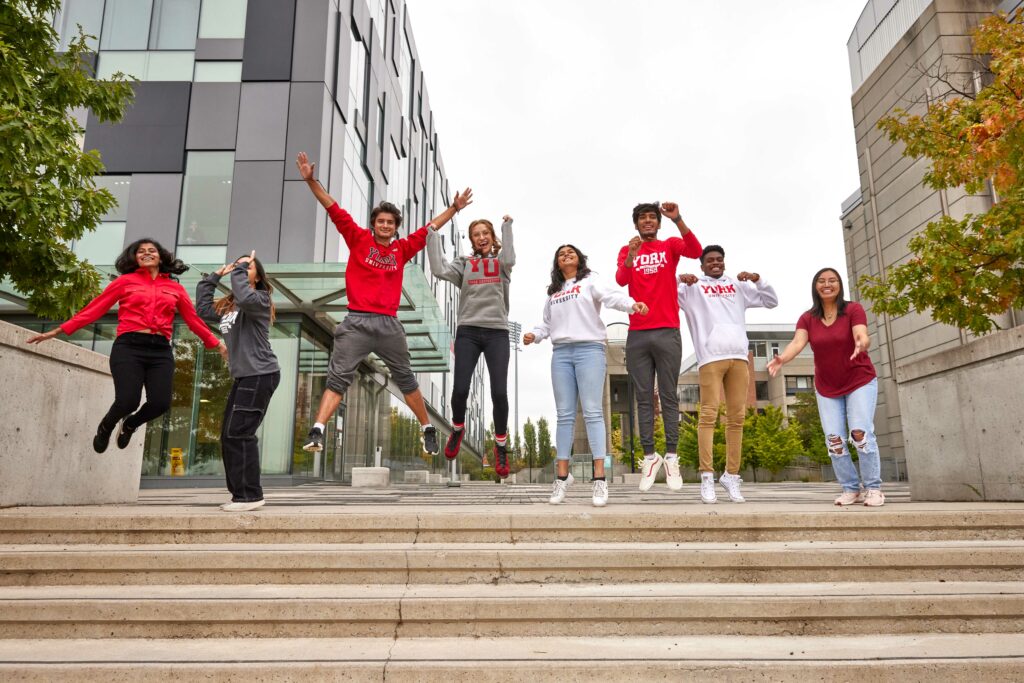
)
(228, 92)
(896, 49)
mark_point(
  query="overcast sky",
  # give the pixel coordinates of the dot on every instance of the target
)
(567, 113)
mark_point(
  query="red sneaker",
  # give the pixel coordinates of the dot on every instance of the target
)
(500, 461)
(451, 449)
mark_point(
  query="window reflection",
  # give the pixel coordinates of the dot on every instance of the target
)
(206, 198)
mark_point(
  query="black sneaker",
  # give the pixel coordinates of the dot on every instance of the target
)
(501, 460)
(428, 437)
(451, 449)
(102, 439)
(314, 441)
(124, 435)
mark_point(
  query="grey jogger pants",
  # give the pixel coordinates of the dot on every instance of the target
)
(651, 353)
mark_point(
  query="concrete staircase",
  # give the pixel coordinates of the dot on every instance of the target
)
(498, 593)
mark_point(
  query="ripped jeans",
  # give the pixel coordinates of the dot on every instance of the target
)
(842, 416)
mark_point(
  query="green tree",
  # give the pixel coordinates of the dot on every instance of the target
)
(47, 192)
(530, 442)
(619, 444)
(804, 416)
(768, 442)
(544, 449)
(688, 448)
(964, 271)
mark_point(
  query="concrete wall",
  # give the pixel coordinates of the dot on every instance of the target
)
(54, 396)
(962, 420)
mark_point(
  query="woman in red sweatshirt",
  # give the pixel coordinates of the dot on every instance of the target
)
(147, 298)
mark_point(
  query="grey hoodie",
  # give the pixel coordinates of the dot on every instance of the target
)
(246, 330)
(483, 281)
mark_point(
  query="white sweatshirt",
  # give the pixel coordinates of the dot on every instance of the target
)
(573, 314)
(716, 314)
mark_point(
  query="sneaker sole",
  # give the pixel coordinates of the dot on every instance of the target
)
(313, 447)
(709, 502)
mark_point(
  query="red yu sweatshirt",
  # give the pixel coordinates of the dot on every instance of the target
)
(652, 279)
(373, 276)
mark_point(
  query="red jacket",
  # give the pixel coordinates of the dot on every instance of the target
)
(373, 276)
(652, 279)
(144, 303)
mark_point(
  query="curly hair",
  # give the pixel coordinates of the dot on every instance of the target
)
(647, 207)
(557, 279)
(127, 262)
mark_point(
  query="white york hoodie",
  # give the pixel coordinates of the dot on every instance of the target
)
(715, 311)
(573, 314)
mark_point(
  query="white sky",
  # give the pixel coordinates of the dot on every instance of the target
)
(567, 113)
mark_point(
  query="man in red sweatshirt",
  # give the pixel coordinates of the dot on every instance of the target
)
(654, 347)
(373, 280)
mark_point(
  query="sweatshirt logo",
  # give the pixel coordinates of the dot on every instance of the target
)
(717, 291)
(649, 264)
(491, 270)
(378, 260)
(227, 321)
(566, 295)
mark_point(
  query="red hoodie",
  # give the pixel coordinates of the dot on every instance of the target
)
(652, 279)
(144, 303)
(373, 276)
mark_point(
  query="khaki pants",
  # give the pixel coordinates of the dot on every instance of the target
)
(734, 375)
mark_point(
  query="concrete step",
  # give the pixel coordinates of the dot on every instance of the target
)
(528, 610)
(405, 563)
(509, 524)
(993, 658)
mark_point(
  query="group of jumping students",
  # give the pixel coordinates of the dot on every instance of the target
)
(148, 296)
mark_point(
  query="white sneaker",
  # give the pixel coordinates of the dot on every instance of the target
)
(650, 471)
(243, 507)
(559, 490)
(850, 498)
(707, 488)
(673, 479)
(600, 493)
(731, 483)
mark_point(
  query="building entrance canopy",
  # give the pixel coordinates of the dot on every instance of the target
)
(318, 290)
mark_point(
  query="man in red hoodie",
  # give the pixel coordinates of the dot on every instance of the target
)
(373, 281)
(654, 347)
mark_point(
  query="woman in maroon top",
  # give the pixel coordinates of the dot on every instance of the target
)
(845, 384)
(147, 298)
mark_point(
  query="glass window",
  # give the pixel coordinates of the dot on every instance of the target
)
(126, 25)
(202, 255)
(761, 391)
(174, 25)
(223, 19)
(120, 186)
(102, 246)
(379, 9)
(147, 66)
(759, 349)
(206, 198)
(218, 72)
(359, 72)
(357, 185)
(798, 383)
(310, 383)
(88, 13)
(380, 134)
(398, 178)
(129, 63)
(405, 65)
(689, 393)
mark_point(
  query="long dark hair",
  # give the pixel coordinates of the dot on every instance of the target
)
(557, 279)
(126, 262)
(226, 304)
(818, 309)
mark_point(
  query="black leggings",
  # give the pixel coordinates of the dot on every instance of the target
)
(139, 360)
(470, 342)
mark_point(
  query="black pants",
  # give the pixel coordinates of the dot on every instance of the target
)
(470, 342)
(138, 360)
(655, 354)
(239, 447)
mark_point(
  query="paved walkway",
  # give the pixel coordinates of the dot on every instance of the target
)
(327, 494)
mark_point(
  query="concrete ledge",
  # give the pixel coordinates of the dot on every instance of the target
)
(417, 476)
(631, 478)
(54, 396)
(370, 477)
(435, 478)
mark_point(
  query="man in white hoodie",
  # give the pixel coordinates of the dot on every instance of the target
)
(715, 306)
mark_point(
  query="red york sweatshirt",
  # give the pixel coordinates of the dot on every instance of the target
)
(144, 303)
(652, 279)
(373, 276)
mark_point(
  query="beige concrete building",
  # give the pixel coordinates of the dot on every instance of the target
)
(896, 49)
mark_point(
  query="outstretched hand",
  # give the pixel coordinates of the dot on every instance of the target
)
(774, 365)
(463, 199)
(43, 337)
(528, 338)
(688, 279)
(306, 169)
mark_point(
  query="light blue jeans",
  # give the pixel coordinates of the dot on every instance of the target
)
(839, 418)
(577, 371)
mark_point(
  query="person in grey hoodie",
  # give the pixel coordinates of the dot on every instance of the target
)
(483, 281)
(244, 317)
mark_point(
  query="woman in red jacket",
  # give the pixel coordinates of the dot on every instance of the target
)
(147, 298)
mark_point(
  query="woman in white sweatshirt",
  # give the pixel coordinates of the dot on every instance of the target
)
(573, 322)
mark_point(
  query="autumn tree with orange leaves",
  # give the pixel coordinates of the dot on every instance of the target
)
(964, 271)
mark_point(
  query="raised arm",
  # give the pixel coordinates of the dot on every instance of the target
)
(624, 272)
(507, 255)
(247, 298)
(461, 201)
(204, 294)
(789, 353)
(761, 295)
(307, 170)
(439, 265)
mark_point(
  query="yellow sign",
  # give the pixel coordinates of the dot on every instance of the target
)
(177, 463)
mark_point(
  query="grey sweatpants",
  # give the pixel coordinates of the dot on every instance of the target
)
(649, 353)
(359, 334)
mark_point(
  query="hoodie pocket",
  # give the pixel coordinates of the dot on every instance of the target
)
(727, 339)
